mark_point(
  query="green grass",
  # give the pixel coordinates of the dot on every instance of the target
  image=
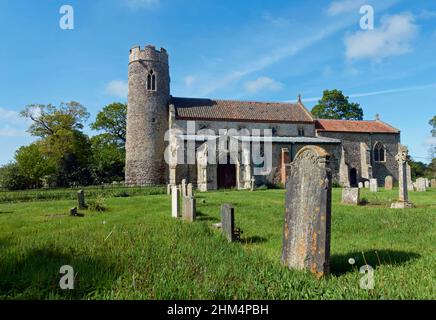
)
(135, 250)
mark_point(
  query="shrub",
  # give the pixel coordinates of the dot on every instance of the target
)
(98, 204)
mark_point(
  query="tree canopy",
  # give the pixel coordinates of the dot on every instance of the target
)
(334, 105)
(112, 120)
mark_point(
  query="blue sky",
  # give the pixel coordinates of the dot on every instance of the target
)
(245, 49)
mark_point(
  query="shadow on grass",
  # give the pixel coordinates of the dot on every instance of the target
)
(339, 263)
(35, 274)
(253, 240)
(204, 217)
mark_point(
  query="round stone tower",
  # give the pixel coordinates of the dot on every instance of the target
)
(147, 116)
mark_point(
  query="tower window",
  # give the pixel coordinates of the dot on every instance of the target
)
(379, 153)
(301, 132)
(151, 81)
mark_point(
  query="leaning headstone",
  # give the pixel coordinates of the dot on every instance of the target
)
(403, 199)
(228, 221)
(189, 210)
(421, 185)
(351, 195)
(189, 190)
(366, 184)
(389, 181)
(73, 211)
(81, 200)
(306, 229)
(360, 185)
(373, 186)
(410, 186)
(175, 202)
(433, 183)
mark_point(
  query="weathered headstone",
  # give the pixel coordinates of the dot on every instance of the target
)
(189, 210)
(427, 183)
(433, 183)
(306, 229)
(183, 188)
(168, 189)
(351, 195)
(373, 186)
(421, 185)
(389, 182)
(73, 211)
(403, 199)
(252, 180)
(228, 221)
(410, 186)
(366, 184)
(360, 185)
(81, 200)
(189, 190)
(175, 202)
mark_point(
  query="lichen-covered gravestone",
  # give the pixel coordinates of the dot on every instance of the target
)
(189, 209)
(228, 221)
(373, 186)
(421, 185)
(189, 192)
(351, 195)
(306, 229)
(389, 181)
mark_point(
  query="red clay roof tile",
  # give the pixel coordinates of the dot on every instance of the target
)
(332, 125)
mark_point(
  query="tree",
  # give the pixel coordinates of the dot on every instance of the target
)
(11, 178)
(334, 105)
(112, 120)
(62, 140)
(432, 122)
(33, 165)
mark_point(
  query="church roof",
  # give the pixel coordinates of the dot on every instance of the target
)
(241, 111)
(358, 126)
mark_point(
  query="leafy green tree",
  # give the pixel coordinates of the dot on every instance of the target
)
(112, 120)
(62, 140)
(11, 178)
(334, 105)
(33, 165)
(432, 122)
(107, 161)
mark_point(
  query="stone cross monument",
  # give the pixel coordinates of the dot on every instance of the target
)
(403, 200)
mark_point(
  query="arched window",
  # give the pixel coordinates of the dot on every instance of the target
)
(151, 81)
(379, 154)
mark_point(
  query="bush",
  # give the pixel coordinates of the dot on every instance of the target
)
(98, 204)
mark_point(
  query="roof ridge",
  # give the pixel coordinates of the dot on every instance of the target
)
(235, 100)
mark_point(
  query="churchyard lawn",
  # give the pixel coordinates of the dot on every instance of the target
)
(136, 250)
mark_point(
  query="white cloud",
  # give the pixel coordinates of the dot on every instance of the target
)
(339, 7)
(141, 4)
(430, 141)
(11, 124)
(262, 84)
(393, 37)
(189, 80)
(117, 88)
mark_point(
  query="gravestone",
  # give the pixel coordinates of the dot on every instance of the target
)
(228, 221)
(175, 202)
(410, 186)
(360, 185)
(373, 186)
(403, 199)
(189, 209)
(168, 189)
(389, 181)
(421, 185)
(366, 184)
(351, 195)
(189, 190)
(81, 200)
(183, 189)
(73, 211)
(427, 183)
(252, 180)
(433, 183)
(306, 229)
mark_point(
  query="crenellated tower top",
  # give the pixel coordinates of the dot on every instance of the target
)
(149, 53)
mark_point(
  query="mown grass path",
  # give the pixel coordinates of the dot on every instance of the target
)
(135, 250)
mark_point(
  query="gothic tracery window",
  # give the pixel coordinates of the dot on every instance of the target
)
(379, 153)
(151, 81)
